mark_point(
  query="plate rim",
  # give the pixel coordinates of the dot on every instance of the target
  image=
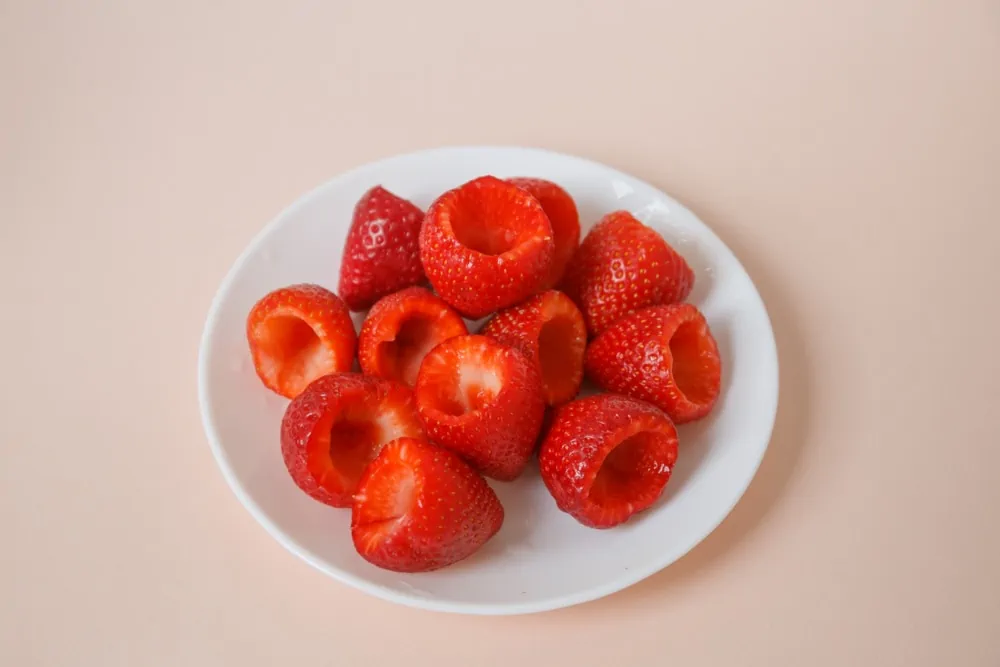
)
(629, 578)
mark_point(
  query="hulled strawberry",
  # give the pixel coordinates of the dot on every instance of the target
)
(607, 457)
(401, 329)
(564, 218)
(420, 507)
(665, 355)
(486, 245)
(298, 334)
(334, 428)
(482, 400)
(548, 328)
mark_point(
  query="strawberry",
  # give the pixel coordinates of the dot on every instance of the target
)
(401, 329)
(420, 507)
(486, 245)
(482, 400)
(297, 334)
(334, 428)
(607, 457)
(548, 328)
(382, 249)
(623, 266)
(665, 355)
(561, 211)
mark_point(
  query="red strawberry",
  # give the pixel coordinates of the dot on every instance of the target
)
(665, 355)
(486, 245)
(297, 334)
(333, 429)
(561, 211)
(548, 328)
(382, 250)
(607, 457)
(420, 507)
(401, 329)
(623, 266)
(482, 400)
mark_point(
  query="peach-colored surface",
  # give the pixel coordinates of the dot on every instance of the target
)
(847, 150)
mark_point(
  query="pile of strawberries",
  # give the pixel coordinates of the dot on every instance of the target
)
(405, 443)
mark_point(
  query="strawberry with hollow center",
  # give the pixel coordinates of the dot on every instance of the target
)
(549, 329)
(665, 355)
(607, 457)
(332, 431)
(482, 400)
(561, 211)
(298, 334)
(420, 507)
(401, 329)
(623, 266)
(486, 245)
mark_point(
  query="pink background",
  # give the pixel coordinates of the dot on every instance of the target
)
(848, 151)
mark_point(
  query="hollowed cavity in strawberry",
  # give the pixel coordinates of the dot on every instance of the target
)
(695, 362)
(633, 473)
(560, 358)
(291, 351)
(336, 427)
(298, 334)
(402, 355)
(491, 226)
(352, 441)
(549, 329)
(665, 355)
(401, 329)
(483, 400)
(469, 387)
(340, 451)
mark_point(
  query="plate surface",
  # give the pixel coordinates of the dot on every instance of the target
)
(541, 559)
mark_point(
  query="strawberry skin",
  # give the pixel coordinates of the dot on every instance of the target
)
(623, 266)
(382, 249)
(420, 507)
(401, 329)
(298, 334)
(333, 429)
(482, 400)
(607, 457)
(548, 328)
(561, 210)
(486, 245)
(665, 355)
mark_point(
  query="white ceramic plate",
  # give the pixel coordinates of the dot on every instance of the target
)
(541, 558)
